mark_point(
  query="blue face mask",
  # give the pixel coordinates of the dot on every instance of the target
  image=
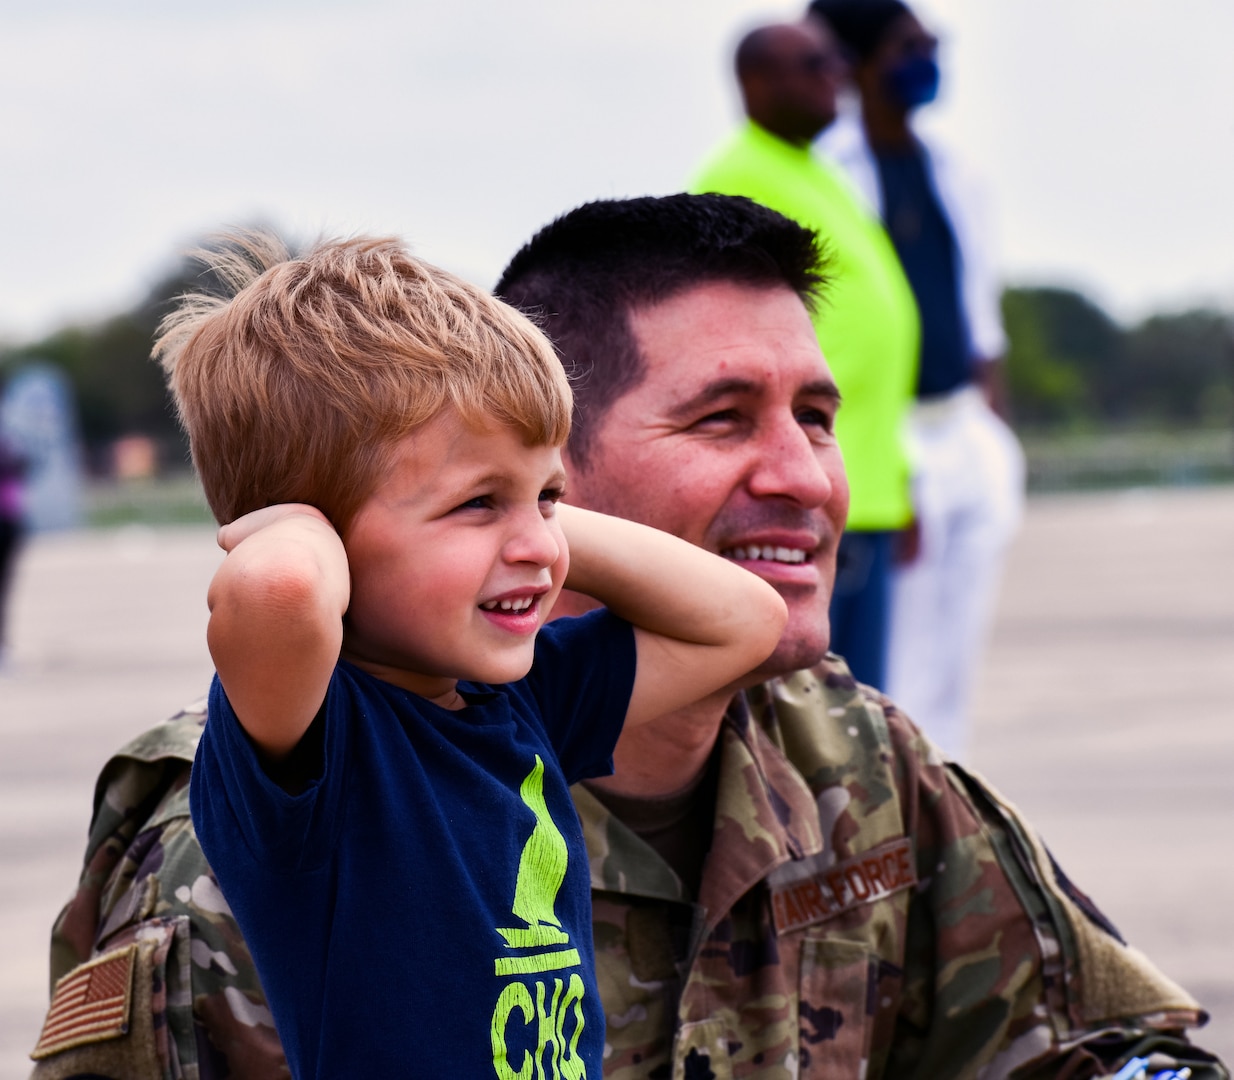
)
(914, 81)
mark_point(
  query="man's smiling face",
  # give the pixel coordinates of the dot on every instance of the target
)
(728, 442)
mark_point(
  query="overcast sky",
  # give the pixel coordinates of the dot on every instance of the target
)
(1104, 128)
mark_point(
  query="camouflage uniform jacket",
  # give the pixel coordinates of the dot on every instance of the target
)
(864, 912)
(148, 899)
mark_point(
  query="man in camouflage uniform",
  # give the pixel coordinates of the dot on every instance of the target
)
(788, 882)
(791, 882)
(198, 1012)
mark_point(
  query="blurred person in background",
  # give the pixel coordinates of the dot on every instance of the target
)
(968, 469)
(12, 529)
(867, 323)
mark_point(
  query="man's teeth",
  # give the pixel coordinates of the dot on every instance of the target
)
(767, 553)
(508, 605)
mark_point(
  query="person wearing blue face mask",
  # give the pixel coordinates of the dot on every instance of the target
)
(968, 468)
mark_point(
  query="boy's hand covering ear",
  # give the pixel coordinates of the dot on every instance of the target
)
(276, 620)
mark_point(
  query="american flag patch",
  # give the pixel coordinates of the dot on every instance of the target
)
(90, 1004)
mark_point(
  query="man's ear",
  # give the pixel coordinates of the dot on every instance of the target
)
(579, 485)
(578, 469)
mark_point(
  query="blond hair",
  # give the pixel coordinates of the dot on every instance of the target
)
(296, 386)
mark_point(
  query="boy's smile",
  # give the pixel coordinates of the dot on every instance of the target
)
(456, 558)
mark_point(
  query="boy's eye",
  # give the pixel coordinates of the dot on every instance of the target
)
(552, 495)
(480, 502)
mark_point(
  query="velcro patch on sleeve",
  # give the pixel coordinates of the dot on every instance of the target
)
(89, 1004)
(800, 897)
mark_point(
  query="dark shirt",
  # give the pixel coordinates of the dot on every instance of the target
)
(924, 240)
(422, 906)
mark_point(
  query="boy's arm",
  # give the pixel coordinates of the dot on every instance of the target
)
(276, 620)
(700, 622)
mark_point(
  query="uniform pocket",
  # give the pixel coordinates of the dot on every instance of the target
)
(834, 1015)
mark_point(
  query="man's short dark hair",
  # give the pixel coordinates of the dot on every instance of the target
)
(583, 275)
(859, 24)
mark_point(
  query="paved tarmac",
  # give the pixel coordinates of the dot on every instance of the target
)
(1105, 711)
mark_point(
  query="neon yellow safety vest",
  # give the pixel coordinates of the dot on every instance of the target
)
(867, 321)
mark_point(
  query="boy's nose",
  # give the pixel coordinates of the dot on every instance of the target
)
(534, 540)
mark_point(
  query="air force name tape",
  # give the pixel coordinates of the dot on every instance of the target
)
(89, 1004)
(803, 893)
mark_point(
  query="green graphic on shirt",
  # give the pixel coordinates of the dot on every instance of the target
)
(556, 1023)
(541, 871)
(543, 1018)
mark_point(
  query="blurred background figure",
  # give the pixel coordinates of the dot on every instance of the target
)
(968, 478)
(40, 468)
(38, 417)
(12, 528)
(867, 325)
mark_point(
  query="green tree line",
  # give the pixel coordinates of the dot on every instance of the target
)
(119, 389)
(1069, 366)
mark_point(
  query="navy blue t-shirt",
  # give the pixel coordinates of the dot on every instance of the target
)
(924, 240)
(422, 907)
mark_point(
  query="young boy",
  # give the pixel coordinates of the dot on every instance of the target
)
(381, 787)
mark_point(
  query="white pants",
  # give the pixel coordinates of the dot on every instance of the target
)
(968, 491)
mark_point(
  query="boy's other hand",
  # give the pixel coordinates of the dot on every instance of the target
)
(246, 525)
(701, 623)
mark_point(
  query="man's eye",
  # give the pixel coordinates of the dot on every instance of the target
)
(819, 418)
(721, 416)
